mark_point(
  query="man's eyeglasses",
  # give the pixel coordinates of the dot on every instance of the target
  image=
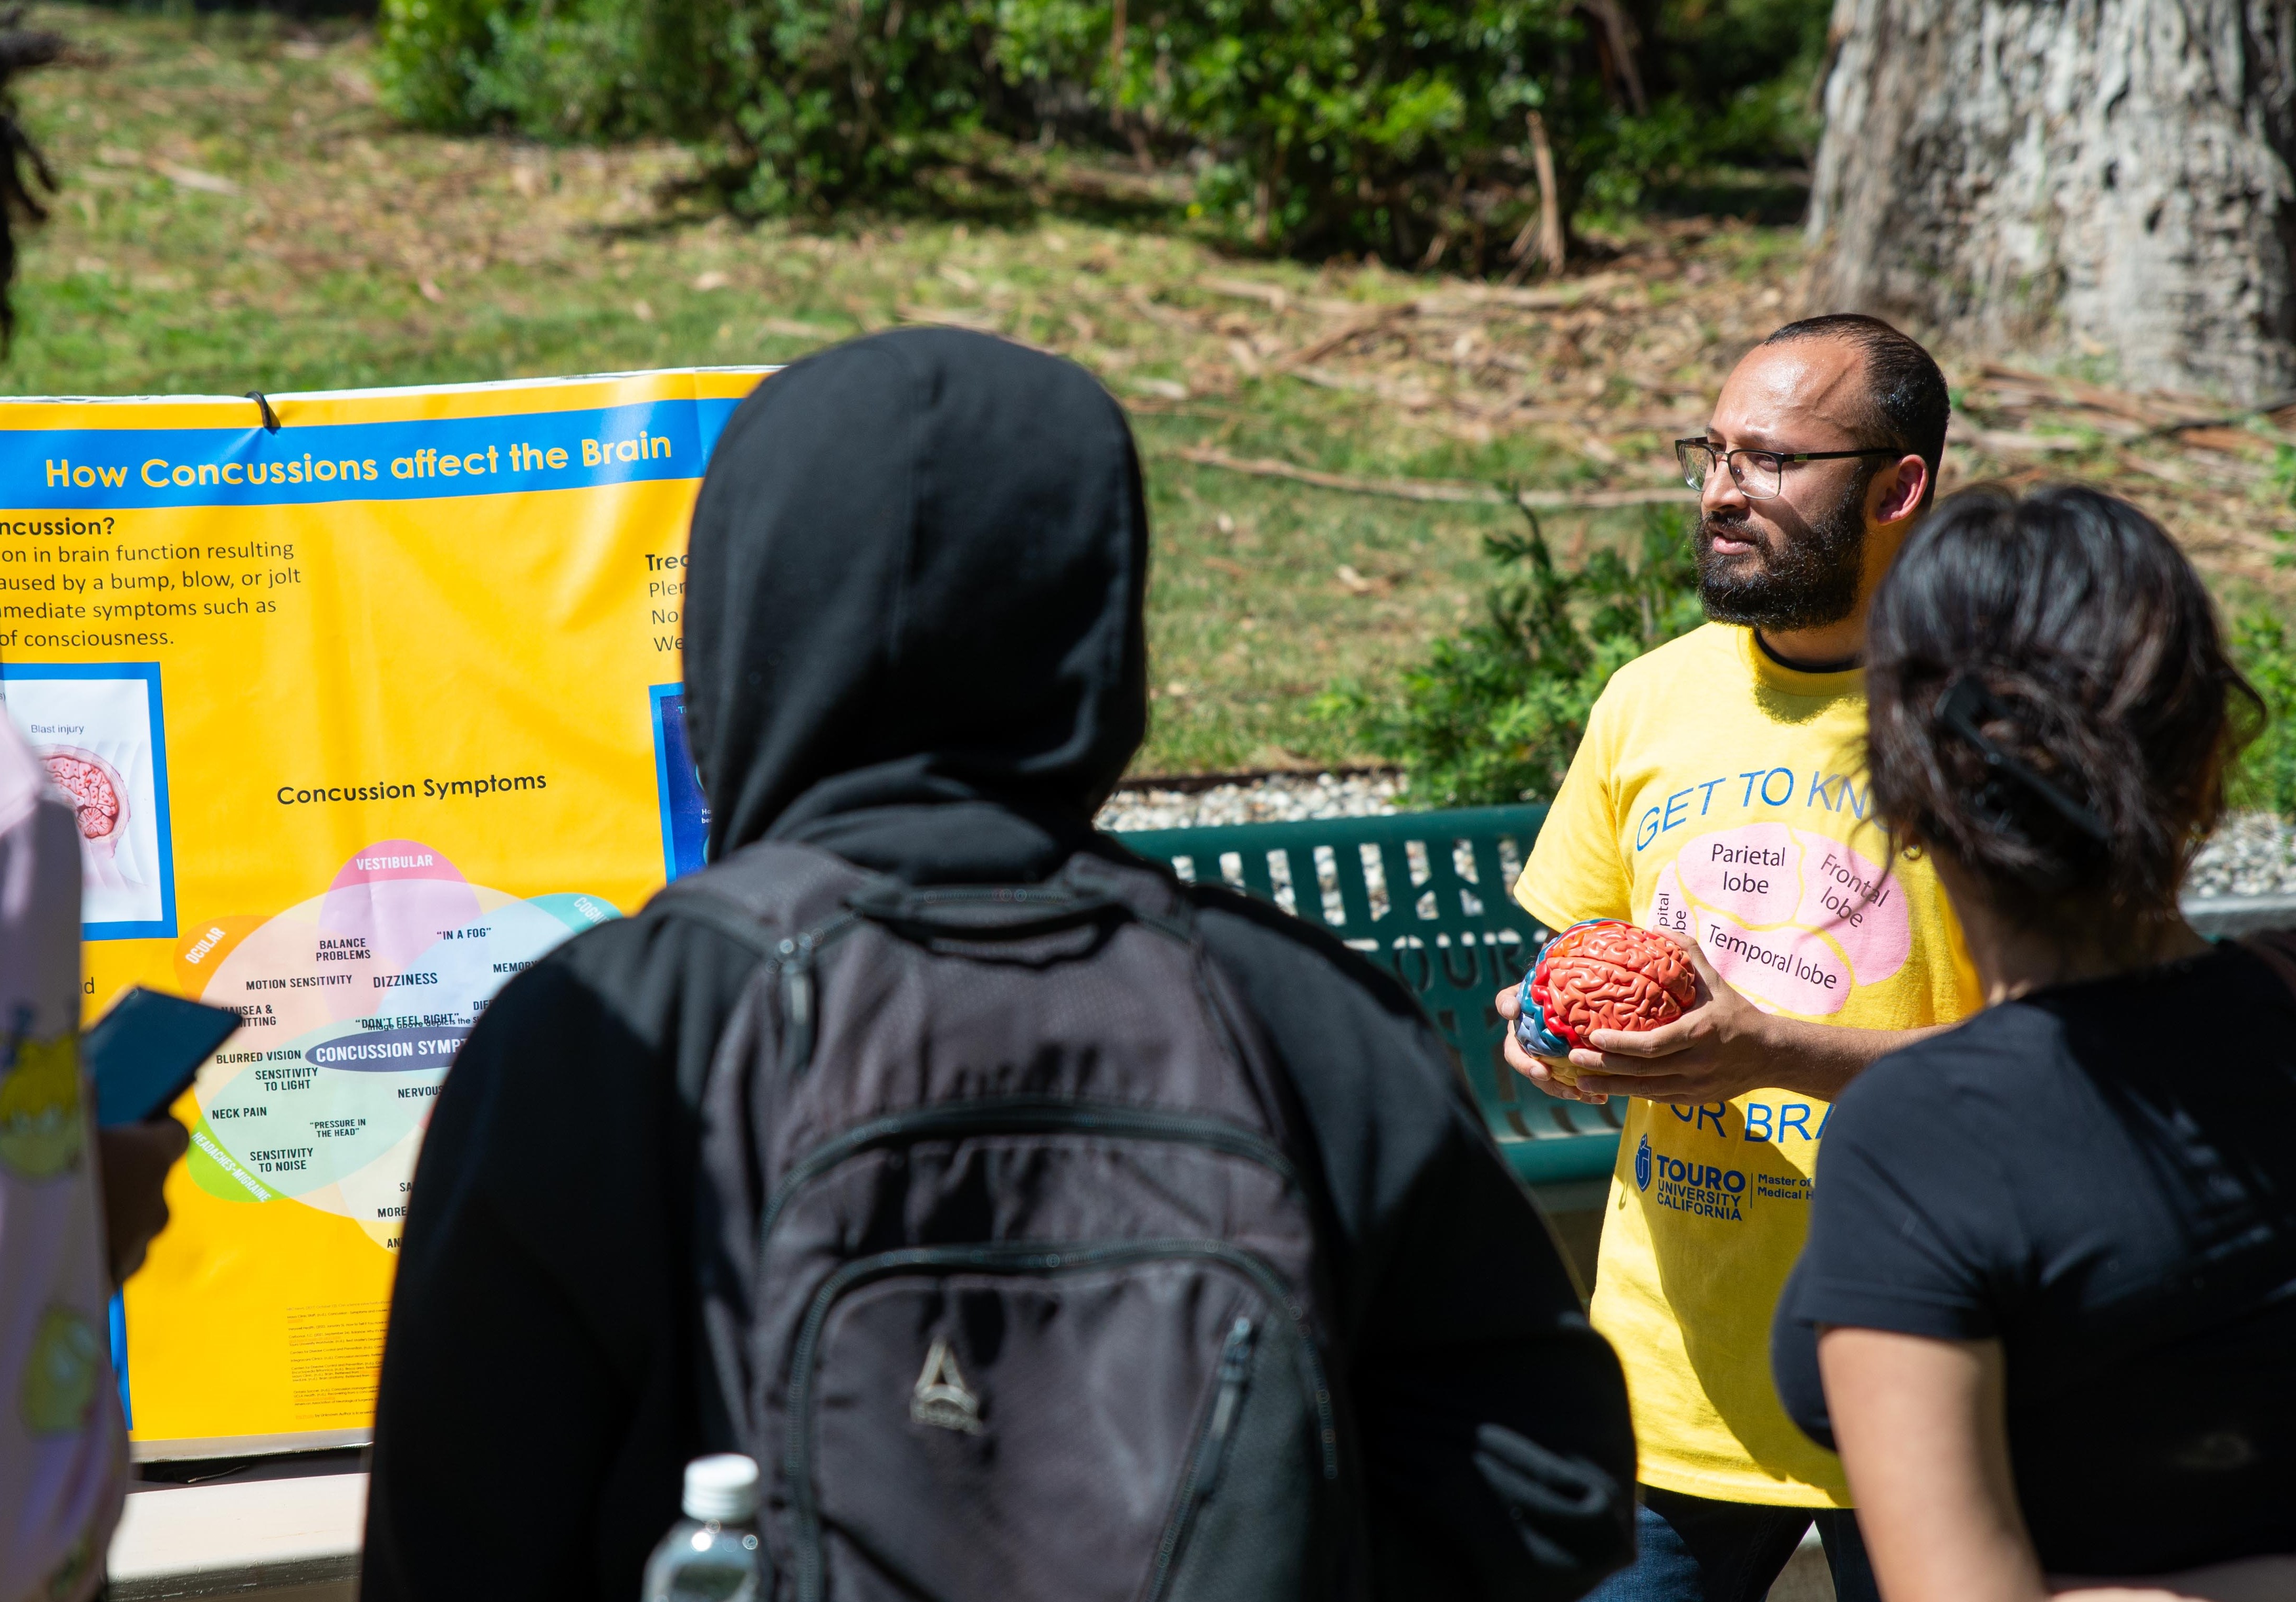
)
(1758, 473)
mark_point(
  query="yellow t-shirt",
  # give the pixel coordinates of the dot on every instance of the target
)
(1722, 796)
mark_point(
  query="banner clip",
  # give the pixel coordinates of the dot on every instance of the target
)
(270, 417)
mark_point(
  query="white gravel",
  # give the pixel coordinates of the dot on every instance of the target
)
(1278, 798)
(2252, 854)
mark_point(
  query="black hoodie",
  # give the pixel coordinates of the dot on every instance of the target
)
(913, 637)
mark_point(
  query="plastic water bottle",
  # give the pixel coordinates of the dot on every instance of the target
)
(712, 1554)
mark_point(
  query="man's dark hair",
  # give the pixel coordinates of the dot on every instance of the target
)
(2050, 705)
(1907, 402)
(20, 161)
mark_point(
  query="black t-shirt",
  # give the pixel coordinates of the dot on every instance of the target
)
(2102, 1176)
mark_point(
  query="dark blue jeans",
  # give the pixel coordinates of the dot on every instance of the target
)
(1691, 1549)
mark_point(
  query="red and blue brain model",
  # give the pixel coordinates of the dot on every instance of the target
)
(1603, 974)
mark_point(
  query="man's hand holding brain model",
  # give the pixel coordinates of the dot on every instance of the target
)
(1720, 1046)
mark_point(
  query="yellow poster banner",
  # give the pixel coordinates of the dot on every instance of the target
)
(365, 700)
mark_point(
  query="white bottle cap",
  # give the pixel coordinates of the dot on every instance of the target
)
(721, 1489)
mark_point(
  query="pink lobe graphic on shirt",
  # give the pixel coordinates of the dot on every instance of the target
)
(1793, 918)
(1853, 898)
(1670, 908)
(1792, 967)
(1752, 873)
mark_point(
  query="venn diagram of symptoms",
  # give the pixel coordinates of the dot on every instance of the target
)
(356, 1001)
(1792, 919)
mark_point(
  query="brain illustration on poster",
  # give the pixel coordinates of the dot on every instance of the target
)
(97, 729)
(355, 1003)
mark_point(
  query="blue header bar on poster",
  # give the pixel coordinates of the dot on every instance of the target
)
(114, 470)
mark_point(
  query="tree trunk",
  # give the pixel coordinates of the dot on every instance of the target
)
(2101, 178)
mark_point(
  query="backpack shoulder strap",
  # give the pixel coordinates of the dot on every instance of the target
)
(708, 908)
(764, 895)
(783, 903)
(765, 898)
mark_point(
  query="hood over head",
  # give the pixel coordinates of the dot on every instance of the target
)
(913, 627)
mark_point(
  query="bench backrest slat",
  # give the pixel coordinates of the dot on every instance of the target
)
(1427, 895)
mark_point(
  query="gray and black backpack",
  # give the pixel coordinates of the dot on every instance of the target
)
(1013, 1280)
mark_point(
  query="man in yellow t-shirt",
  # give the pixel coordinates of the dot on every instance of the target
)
(1720, 794)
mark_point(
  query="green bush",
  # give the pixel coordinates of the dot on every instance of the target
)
(1323, 124)
(2264, 777)
(802, 104)
(850, 99)
(1495, 714)
(1396, 126)
(581, 73)
(428, 51)
(1390, 125)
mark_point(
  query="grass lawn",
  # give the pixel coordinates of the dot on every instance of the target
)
(236, 212)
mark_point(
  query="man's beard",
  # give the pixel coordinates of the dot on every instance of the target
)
(1809, 583)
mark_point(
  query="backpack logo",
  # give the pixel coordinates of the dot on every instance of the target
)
(1643, 1164)
(942, 1399)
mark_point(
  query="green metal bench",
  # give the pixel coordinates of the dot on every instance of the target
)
(1425, 893)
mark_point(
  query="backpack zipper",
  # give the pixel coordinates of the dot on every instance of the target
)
(1024, 1115)
(1235, 1373)
(797, 954)
(1022, 1257)
(1211, 1451)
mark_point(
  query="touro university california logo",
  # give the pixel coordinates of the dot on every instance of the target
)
(1695, 1187)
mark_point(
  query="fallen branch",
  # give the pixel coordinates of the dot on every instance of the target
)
(1270, 295)
(2168, 413)
(1563, 295)
(2242, 421)
(1317, 349)
(2001, 442)
(1454, 491)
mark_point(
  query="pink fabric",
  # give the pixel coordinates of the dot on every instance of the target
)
(64, 1451)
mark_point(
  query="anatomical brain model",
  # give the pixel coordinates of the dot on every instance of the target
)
(1601, 974)
(94, 789)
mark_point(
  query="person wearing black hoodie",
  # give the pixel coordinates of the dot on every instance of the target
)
(914, 639)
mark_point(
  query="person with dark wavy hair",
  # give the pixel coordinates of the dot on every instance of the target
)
(2049, 1296)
